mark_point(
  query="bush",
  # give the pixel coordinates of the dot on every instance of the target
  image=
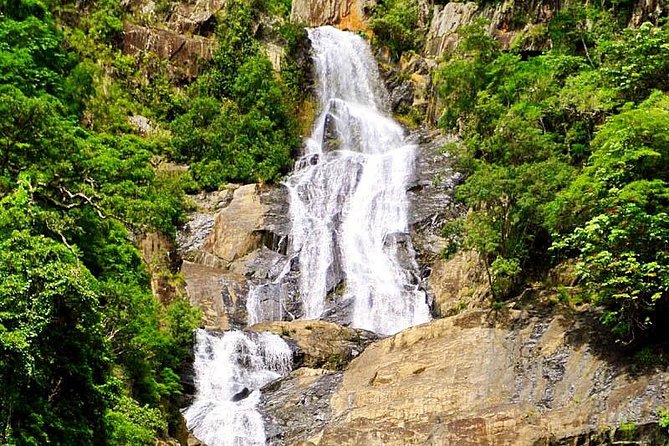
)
(394, 23)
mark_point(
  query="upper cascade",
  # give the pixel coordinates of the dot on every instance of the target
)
(348, 194)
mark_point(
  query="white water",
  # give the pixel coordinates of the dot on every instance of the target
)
(348, 193)
(226, 365)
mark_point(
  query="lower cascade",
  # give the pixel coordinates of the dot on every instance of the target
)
(230, 369)
(350, 231)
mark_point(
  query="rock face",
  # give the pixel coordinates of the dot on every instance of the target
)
(235, 239)
(483, 378)
(220, 294)
(349, 15)
(198, 17)
(237, 227)
(504, 23)
(297, 408)
(158, 253)
(184, 53)
(648, 11)
(458, 284)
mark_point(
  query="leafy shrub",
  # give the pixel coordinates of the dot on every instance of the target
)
(394, 24)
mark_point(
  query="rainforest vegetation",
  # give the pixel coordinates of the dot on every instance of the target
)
(565, 151)
(567, 157)
(88, 355)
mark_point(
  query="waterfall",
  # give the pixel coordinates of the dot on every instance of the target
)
(348, 207)
(348, 199)
(230, 369)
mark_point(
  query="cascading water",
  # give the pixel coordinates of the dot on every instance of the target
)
(229, 371)
(348, 207)
(348, 194)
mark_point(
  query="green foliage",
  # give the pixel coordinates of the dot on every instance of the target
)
(627, 430)
(240, 122)
(128, 423)
(622, 201)
(638, 62)
(53, 351)
(663, 421)
(568, 149)
(31, 56)
(87, 354)
(394, 24)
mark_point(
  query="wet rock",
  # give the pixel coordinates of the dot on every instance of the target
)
(431, 196)
(648, 434)
(236, 240)
(298, 406)
(513, 377)
(320, 344)
(276, 220)
(243, 394)
(331, 138)
(401, 95)
(194, 234)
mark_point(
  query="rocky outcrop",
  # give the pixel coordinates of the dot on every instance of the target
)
(220, 294)
(237, 227)
(485, 378)
(184, 54)
(648, 11)
(458, 284)
(159, 255)
(297, 407)
(320, 344)
(234, 240)
(509, 22)
(446, 21)
(349, 15)
(198, 17)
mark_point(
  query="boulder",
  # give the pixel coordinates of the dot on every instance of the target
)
(238, 226)
(320, 344)
(482, 378)
(198, 17)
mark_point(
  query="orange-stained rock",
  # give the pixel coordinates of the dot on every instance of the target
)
(351, 15)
